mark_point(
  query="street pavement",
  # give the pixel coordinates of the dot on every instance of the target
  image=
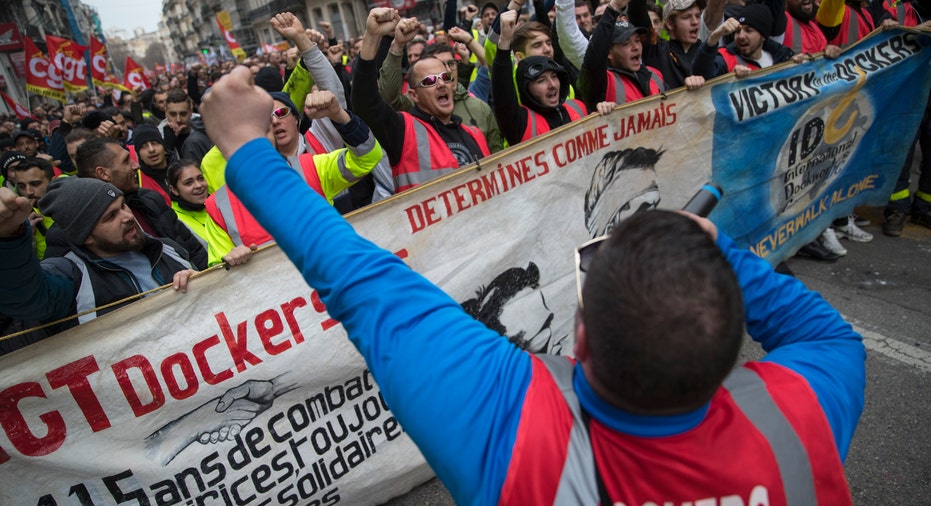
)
(883, 288)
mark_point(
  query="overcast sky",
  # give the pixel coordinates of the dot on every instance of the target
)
(128, 14)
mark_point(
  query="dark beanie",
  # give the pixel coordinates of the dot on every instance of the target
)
(286, 100)
(269, 79)
(76, 204)
(145, 133)
(9, 158)
(94, 118)
(758, 17)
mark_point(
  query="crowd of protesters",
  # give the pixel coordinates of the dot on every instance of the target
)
(128, 188)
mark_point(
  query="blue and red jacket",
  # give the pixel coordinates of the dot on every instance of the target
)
(466, 395)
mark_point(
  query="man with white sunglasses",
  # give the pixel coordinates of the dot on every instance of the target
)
(650, 411)
(427, 142)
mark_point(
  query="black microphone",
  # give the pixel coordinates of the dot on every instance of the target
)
(704, 200)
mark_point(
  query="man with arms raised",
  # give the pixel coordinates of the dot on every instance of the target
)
(752, 48)
(613, 69)
(471, 110)
(427, 142)
(649, 411)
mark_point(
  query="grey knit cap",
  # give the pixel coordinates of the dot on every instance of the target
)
(76, 204)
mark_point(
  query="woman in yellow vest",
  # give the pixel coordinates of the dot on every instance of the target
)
(188, 190)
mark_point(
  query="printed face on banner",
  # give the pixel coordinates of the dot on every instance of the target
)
(513, 305)
(624, 183)
(819, 148)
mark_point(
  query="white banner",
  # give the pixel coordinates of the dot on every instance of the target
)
(243, 391)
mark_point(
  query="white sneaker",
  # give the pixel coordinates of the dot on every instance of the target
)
(829, 241)
(853, 232)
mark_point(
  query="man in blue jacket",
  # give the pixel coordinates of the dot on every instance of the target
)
(650, 410)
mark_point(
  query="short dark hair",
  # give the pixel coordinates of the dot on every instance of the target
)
(415, 42)
(111, 111)
(584, 3)
(43, 165)
(177, 96)
(78, 134)
(94, 153)
(524, 32)
(435, 49)
(663, 313)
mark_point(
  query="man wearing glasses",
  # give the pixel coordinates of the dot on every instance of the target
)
(471, 110)
(326, 173)
(429, 141)
(650, 411)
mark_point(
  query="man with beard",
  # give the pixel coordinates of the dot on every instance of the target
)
(752, 48)
(110, 257)
(803, 31)
(153, 159)
(105, 159)
(613, 68)
(429, 141)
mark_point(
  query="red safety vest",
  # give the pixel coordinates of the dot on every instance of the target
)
(425, 155)
(228, 211)
(623, 91)
(146, 181)
(803, 38)
(732, 60)
(904, 12)
(764, 439)
(314, 146)
(856, 25)
(537, 125)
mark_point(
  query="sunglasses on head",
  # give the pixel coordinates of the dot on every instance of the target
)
(538, 68)
(584, 255)
(281, 112)
(432, 80)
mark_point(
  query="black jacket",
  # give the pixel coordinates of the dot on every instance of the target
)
(148, 206)
(710, 64)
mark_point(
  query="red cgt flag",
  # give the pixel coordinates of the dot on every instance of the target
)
(134, 75)
(42, 78)
(21, 112)
(68, 57)
(98, 62)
